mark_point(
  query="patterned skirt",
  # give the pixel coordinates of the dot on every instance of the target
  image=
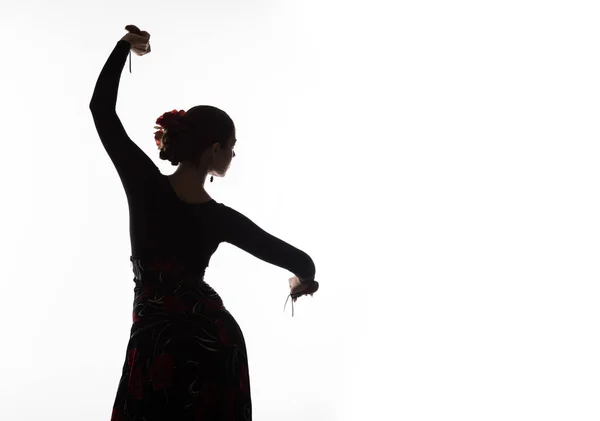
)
(186, 358)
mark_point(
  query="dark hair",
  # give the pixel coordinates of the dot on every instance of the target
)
(188, 135)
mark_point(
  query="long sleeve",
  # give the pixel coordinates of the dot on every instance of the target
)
(240, 231)
(134, 167)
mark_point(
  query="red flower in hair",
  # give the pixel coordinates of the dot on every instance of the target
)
(163, 122)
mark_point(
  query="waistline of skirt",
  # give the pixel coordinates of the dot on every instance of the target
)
(165, 289)
(163, 271)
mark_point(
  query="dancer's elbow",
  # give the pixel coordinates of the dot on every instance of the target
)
(97, 104)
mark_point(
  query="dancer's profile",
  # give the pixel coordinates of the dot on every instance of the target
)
(186, 357)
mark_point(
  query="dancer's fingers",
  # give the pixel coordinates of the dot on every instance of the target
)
(135, 30)
(132, 28)
(305, 289)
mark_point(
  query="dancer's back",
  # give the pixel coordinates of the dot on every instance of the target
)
(162, 225)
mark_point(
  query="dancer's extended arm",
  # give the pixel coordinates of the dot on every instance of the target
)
(240, 231)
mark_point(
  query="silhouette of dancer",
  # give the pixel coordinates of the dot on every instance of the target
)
(186, 358)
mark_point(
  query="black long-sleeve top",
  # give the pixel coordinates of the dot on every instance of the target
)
(161, 224)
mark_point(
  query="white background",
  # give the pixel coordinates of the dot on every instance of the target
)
(438, 160)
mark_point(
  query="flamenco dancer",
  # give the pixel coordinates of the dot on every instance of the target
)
(186, 357)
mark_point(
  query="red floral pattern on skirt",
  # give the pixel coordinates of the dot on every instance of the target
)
(186, 357)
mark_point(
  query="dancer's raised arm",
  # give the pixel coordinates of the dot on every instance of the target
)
(132, 164)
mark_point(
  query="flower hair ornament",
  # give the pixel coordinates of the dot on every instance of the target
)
(168, 119)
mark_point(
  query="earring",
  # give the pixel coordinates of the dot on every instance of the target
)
(211, 178)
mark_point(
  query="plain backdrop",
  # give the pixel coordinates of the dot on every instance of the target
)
(438, 160)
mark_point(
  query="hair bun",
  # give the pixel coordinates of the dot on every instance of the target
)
(170, 122)
(184, 135)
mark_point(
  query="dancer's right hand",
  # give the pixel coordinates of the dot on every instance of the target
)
(298, 289)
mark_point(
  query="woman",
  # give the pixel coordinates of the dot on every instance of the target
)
(186, 358)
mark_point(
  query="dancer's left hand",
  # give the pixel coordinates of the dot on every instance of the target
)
(139, 40)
